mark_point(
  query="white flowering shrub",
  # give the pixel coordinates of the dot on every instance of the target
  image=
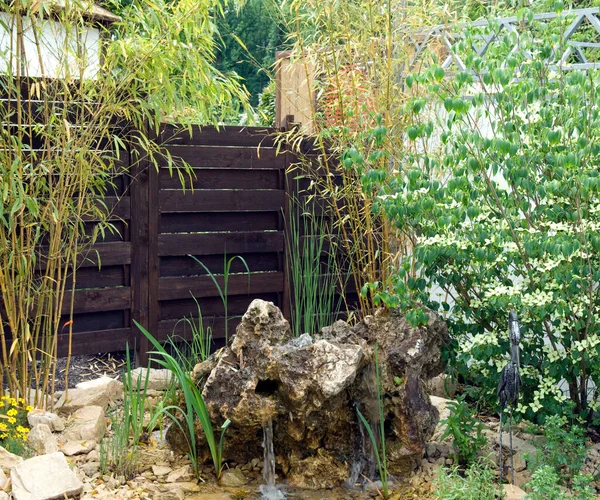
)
(498, 188)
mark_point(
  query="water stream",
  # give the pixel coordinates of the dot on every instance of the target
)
(268, 490)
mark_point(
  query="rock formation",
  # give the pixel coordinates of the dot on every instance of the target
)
(312, 386)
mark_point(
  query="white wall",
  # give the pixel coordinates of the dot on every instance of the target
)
(55, 54)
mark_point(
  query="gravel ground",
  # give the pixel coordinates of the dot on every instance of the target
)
(88, 367)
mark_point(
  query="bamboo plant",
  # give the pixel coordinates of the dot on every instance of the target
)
(62, 137)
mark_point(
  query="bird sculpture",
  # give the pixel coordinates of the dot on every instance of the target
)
(509, 386)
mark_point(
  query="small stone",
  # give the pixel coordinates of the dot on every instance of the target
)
(87, 423)
(3, 479)
(255, 462)
(431, 451)
(93, 456)
(59, 480)
(519, 462)
(90, 468)
(161, 470)
(41, 440)
(186, 486)
(513, 492)
(159, 379)
(52, 420)
(233, 478)
(4, 495)
(449, 461)
(184, 473)
(8, 460)
(71, 448)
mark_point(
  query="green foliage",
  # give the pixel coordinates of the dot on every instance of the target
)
(312, 269)
(224, 279)
(466, 431)
(582, 489)
(190, 352)
(172, 47)
(250, 36)
(266, 105)
(544, 485)
(117, 454)
(498, 193)
(378, 442)
(478, 482)
(194, 408)
(563, 448)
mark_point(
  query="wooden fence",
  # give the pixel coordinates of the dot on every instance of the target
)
(236, 207)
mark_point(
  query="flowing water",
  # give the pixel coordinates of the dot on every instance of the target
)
(268, 490)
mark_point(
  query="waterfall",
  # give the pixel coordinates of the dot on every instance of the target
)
(268, 490)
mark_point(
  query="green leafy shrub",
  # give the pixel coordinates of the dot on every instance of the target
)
(477, 483)
(466, 431)
(498, 191)
(563, 448)
(544, 484)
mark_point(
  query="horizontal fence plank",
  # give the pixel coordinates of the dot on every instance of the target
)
(246, 158)
(210, 306)
(219, 243)
(93, 321)
(215, 178)
(97, 300)
(100, 341)
(213, 136)
(221, 200)
(203, 286)
(89, 277)
(219, 221)
(106, 254)
(179, 330)
(186, 266)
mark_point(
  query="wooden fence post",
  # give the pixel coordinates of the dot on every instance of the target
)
(140, 205)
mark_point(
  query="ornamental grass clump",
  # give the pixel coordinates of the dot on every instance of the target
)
(14, 428)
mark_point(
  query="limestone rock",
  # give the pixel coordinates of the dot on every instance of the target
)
(161, 470)
(184, 473)
(98, 392)
(159, 379)
(90, 468)
(311, 386)
(233, 478)
(442, 386)
(87, 424)
(3, 479)
(71, 448)
(513, 492)
(8, 460)
(41, 440)
(30, 479)
(52, 420)
(441, 406)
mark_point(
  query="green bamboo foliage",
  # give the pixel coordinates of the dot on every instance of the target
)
(61, 141)
(354, 55)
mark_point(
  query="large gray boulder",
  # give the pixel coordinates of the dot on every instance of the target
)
(312, 386)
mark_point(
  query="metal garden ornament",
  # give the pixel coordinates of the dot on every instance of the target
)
(509, 386)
